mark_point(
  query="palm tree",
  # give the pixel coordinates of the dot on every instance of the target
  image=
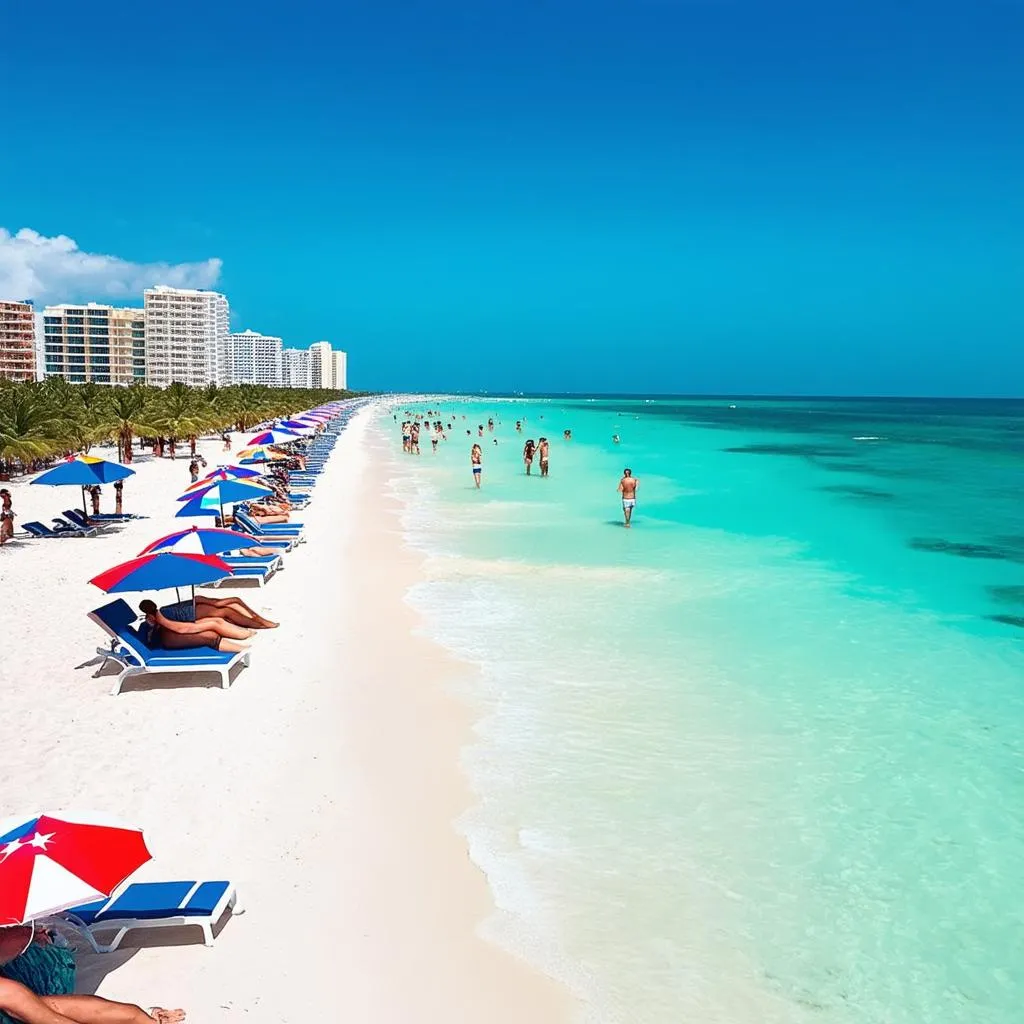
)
(182, 413)
(130, 412)
(31, 427)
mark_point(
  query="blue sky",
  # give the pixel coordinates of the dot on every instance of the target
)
(618, 195)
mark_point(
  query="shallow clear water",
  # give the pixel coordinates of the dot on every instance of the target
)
(758, 758)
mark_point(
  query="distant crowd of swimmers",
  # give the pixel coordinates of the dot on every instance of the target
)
(539, 450)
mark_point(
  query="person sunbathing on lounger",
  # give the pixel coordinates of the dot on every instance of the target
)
(171, 635)
(232, 609)
(268, 514)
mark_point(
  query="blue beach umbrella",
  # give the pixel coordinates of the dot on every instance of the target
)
(83, 471)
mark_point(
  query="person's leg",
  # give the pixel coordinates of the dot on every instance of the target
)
(96, 1010)
(223, 628)
(23, 1004)
(235, 610)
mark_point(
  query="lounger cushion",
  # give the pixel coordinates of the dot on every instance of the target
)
(150, 901)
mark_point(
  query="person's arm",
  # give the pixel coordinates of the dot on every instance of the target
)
(619, 488)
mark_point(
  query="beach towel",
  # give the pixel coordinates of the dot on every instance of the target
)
(48, 970)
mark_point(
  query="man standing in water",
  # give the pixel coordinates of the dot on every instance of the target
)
(476, 458)
(543, 450)
(627, 488)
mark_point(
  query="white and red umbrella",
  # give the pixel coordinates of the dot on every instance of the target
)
(50, 864)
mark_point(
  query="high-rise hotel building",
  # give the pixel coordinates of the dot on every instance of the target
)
(93, 342)
(187, 337)
(17, 340)
(256, 359)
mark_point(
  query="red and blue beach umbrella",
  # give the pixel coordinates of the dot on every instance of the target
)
(275, 436)
(50, 864)
(200, 540)
(161, 570)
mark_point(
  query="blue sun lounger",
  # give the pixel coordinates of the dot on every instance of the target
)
(137, 658)
(272, 531)
(40, 531)
(155, 905)
(242, 568)
(76, 518)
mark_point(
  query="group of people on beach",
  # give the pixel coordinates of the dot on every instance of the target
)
(539, 450)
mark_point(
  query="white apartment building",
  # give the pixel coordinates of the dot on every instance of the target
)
(296, 368)
(187, 337)
(256, 359)
(339, 370)
(17, 340)
(94, 342)
(321, 368)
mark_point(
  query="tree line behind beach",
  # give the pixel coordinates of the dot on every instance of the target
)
(42, 421)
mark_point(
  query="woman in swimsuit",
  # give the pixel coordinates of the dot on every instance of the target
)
(476, 457)
(528, 451)
(6, 516)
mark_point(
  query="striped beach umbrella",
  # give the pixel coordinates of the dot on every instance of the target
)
(161, 570)
(49, 864)
(274, 436)
(200, 540)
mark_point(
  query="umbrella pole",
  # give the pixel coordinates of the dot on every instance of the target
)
(85, 509)
(193, 602)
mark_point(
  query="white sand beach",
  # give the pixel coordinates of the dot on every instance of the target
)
(324, 783)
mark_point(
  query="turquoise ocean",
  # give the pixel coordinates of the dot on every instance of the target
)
(761, 757)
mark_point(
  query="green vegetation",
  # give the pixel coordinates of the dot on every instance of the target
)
(41, 421)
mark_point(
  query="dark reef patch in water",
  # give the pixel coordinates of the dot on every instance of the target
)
(851, 491)
(799, 451)
(865, 469)
(1007, 595)
(1008, 620)
(964, 550)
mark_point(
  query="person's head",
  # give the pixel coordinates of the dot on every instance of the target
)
(543, 439)
(5, 494)
(627, 472)
(148, 608)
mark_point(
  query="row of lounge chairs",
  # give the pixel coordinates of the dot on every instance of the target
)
(135, 657)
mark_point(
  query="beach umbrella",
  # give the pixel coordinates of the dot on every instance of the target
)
(195, 507)
(298, 426)
(200, 540)
(234, 472)
(49, 864)
(227, 492)
(261, 453)
(161, 570)
(219, 475)
(83, 471)
(275, 436)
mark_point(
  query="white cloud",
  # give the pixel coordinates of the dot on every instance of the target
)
(52, 270)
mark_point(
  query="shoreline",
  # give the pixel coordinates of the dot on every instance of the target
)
(416, 764)
(326, 783)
